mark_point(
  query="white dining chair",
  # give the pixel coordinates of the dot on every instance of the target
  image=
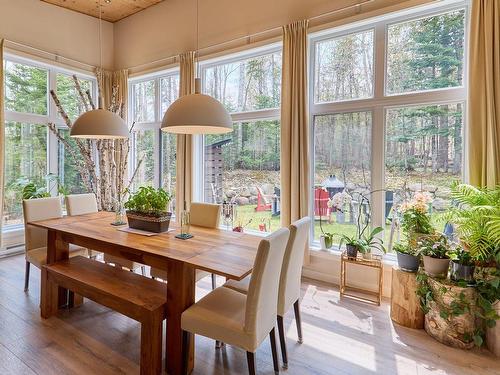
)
(205, 215)
(290, 279)
(81, 204)
(35, 238)
(238, 319)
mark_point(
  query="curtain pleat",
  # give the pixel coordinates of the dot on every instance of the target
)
(484, 94)
(2, 139)
(184, 159)
(294, 126)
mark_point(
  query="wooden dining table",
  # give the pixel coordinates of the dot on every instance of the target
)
(226, 253)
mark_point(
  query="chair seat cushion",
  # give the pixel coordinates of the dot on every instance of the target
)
(220, 315)
(38, 257)
(162, 274)
(240, 286)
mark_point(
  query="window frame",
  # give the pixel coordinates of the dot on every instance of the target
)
(155, 125)
(52, 115)
(380, 102)
(246, 116)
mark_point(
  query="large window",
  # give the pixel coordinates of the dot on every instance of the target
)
(153, 155)
(32, 152)
(242, 167)
(387, 105)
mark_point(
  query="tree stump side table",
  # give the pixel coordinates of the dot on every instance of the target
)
(349, 291)
(405, 304)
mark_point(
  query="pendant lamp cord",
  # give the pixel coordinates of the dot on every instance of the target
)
(100, 54)
(197, 38)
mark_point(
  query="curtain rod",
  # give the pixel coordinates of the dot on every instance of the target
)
(357, 6)
(55, 56)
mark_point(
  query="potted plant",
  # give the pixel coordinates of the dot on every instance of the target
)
(435, 255)
(326, 240)
(477, 217)
(408, 258)
(147, 209)
(415, 218)
(353, 244)
(462, 265)
(370, 242)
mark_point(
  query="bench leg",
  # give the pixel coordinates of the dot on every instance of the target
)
(151, 345)
(74, 300)
(49, 296)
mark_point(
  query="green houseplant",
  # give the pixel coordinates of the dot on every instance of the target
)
(147, 209)
(462, 265)
(435, 255)
(415, 218)
(371, 241)
(477, 217)
(408, 257)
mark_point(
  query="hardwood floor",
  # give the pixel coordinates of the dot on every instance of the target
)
(340, 337)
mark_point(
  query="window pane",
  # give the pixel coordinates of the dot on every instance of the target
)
(169, 92)
(144, 150)
(426, 54)
(343, 69)
(144, 101)
(423, 153)
(342, 158)
(69, 97)
(25, 161)
(69, 176)
(168, 163)
(25, 88)
(246, 85)
(243, 167)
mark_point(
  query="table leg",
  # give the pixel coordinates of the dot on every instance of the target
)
(180, 295)
(57, 250)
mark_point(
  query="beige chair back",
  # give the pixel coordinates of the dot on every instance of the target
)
(80, 204)
(39, 209)
(205, 214)
(261, 308)
(291, 271)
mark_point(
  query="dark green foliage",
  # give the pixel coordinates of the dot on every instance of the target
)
(149, 201)
(435, 248)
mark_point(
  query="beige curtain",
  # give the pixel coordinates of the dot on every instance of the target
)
(294, 126)
(184, 161)
(106, 83)
(484, 94)
(2, 138)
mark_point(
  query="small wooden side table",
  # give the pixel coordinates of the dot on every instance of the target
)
(349, 291)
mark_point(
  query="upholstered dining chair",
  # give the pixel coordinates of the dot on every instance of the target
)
(238, 319)
(81, 204)
(205, 215)
(36, 238)
(289, 289)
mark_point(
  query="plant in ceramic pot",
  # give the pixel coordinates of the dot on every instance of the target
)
(462, 265)
(147, 209)
(370, 242)
(435, 255)
(326, 240)
(353, 245)
(408, 257)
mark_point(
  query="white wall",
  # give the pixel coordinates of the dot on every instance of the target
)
(56, 30)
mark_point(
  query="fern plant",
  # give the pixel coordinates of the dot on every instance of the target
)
(477, 216)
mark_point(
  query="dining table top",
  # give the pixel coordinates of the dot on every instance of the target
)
(226, 253)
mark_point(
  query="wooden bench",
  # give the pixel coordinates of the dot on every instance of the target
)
(135, 296)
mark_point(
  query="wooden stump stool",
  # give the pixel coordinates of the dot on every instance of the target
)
(405, 305)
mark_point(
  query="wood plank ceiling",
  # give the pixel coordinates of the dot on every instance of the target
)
(112, 10)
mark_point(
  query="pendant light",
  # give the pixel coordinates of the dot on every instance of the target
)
(99, 123)
(197, 113)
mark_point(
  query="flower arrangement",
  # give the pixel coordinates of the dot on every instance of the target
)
(415, 214)
(339, 201)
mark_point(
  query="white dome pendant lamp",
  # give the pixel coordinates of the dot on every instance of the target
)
(197, 113)
(99, 123)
